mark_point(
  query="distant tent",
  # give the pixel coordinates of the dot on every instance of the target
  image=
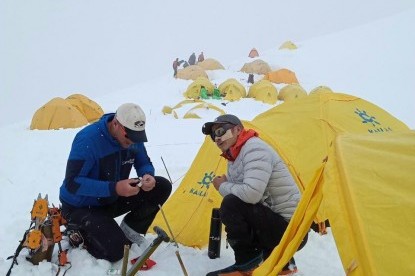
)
(264, 91)
(320, 89)
(210, 64)
(57, 113)
(168, 110)
(253, 53)
(193, 90)
(193, 113)
(257, 66)
(288, 45)
(290, 92)
(232, 90)
(90, 109)
(281, 76)
(191, 72)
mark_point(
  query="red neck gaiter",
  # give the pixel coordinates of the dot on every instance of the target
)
(233, 151)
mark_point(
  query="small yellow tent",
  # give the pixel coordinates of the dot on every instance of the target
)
(281, 76)
(211, 64)
(193, 90)
(231, 89)
(253, 53)
(290, 92)
(257, 66)
(191, 72)
(90, 109)
(321, 89)
(289, 45)
(264, 91)
(193, 113)
(57, 113)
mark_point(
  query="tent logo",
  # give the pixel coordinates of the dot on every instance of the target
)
(205, 183)
(366, 118)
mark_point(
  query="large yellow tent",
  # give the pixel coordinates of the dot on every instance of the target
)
(257, 66)
(191, 72)
(211, 64)
(90, 109)
(264, 91)
(57, 113)
(281, 76)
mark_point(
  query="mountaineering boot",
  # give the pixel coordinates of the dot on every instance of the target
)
(289, 269)
(244, 269)
(132, 235)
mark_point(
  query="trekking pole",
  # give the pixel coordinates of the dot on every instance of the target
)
(125, 260)
(166, 170)
(175, 243)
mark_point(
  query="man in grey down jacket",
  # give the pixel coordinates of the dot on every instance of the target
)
(259, 195)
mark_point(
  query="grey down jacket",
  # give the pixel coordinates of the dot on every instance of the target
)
(260, 175)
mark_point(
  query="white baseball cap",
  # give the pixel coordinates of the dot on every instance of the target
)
(132, 117)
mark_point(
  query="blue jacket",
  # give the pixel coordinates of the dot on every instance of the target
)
(95, 164)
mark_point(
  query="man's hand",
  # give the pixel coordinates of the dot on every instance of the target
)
(127, 187)
(218, 180)
(148, 182)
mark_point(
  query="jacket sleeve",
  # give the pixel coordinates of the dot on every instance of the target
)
(142, 163)
(256, 166)
(79, 178)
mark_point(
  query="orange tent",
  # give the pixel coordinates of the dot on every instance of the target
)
(281, 76)
(253, 53)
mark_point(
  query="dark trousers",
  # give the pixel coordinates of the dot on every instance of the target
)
(103, 237)
(251, 228)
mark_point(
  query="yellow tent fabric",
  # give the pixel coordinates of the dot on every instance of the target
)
(307, 127)
(264, 91)
(281, 76)
(211, 64)
(297, 228)
(321, 89)
(291, 92)
(90, 109)
(191, 72)
(203, 106)
(232, 87)
(257, 66)
(193, 90)
(288, 45)
(370, 183)
(57, 113)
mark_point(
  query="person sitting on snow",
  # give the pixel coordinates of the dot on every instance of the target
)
(97, 185)
(259, 195)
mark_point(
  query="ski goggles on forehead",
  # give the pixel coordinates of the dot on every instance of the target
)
(220, 131)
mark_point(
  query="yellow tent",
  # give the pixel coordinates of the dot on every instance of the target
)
(231, 89)
(57, 113)
(288, 45)
(264, 91)
(168, 110)
(211, 64)
(90, 109)
(257, 66)
(291, 92)
(193, 90)
(281, 76)
(191, 72)
(193, 113)
(371, 204)
(321, 89)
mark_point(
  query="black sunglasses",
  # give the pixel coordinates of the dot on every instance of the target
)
(219, 132)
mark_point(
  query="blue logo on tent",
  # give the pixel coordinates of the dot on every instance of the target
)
(366, 119)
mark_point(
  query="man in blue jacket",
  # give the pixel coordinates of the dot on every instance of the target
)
(97, 185)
